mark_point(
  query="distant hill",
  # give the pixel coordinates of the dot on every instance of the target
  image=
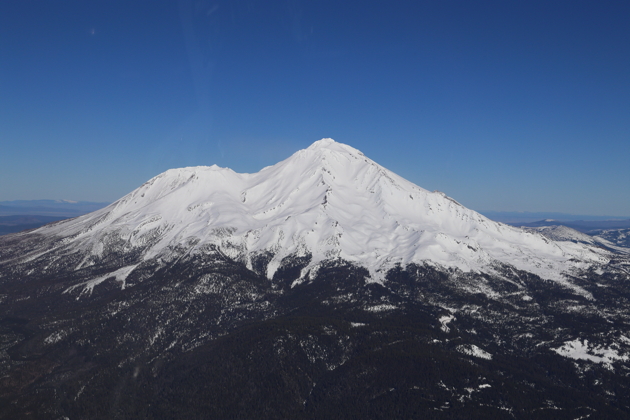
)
(586, 226)
(614, 230)
(620, 237)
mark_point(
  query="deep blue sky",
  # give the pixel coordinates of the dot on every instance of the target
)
(503, 105)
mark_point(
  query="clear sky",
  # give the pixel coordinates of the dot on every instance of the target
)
(503, 105)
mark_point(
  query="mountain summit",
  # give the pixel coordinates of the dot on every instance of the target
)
(327, 202)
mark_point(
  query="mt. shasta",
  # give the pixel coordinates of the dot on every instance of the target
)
(328, 201)
(324, 286)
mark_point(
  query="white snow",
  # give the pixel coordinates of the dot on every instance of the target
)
(55, 337)
(380, 308)
(328, 200)
(444, 320)
(119, 275)
(581, 350)
(472, 350)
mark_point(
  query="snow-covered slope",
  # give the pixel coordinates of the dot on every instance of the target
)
(329, 201)
(565, 233)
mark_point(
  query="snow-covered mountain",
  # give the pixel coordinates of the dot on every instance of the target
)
(328, 201)
(324, 286)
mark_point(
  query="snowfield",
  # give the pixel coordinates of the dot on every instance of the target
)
(581, 350)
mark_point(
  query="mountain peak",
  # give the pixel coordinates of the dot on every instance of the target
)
(323, 143)
(328, 144)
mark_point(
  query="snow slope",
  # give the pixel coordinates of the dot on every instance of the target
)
(565, 233)
(328, 200)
